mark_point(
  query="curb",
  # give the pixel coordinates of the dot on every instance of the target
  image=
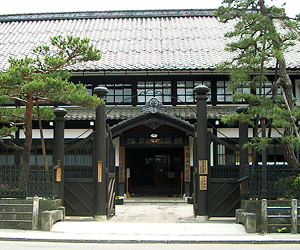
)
(151, 241)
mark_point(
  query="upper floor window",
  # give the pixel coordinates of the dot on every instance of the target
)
(185, 90)
(118, 92)
(266, 89)
(224, 93)
(159, 89)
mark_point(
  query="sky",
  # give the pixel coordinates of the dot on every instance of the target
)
(38, 6)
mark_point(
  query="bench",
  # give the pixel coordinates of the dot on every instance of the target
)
(50, 217)
(247, 219)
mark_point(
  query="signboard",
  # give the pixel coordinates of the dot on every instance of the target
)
(187, 167)
(58, 174)
(203, 168)
(99, 171)
(203, 182)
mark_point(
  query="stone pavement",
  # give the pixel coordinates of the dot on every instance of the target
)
(149, 220)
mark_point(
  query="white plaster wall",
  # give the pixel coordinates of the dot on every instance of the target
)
(69, 133)
(47, 133)
(230, 132)
(116, 143)
(234, 133)
(191, 144)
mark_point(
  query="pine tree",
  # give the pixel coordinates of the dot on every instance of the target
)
(42, 80)
(260, 37)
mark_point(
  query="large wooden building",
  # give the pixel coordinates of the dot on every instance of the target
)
(151, 62)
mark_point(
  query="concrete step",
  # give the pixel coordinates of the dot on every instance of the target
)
(16, 207)
(16, 224)
(16, 216)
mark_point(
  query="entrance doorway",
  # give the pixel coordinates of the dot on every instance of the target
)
(155, 171)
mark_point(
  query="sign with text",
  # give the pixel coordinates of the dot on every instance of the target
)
(187, 167)
(203, 182)
(203, 167)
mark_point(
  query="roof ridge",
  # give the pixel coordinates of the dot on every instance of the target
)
(106, 14)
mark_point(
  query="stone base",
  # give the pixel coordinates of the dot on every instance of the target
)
(100, 218)
(202, 218)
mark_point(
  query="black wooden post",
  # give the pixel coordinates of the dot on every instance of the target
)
(59, 145)
(201, 164)
(243, 139)
(99, 157)
(244, 163)
(264, 160)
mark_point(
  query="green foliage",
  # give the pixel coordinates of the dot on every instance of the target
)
(281, 230)
(44, 80)
(260, 36)
(289, 186)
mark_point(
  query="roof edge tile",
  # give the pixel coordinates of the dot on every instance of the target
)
(106, 14)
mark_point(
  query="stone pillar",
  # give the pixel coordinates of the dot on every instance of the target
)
(59, 145)
(99, 157)
(201, 164)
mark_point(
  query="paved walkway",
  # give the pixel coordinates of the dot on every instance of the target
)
(142, 220)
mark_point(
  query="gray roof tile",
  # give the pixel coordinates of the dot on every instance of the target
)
(129, 40)
(126, 112)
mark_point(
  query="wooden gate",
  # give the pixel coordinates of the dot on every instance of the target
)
(224, 187)
(79, 186)
(224, 197)
(79, 196)
(79, 190)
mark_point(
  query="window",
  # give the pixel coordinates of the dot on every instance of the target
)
(224, 94)
(118, 92)
(185, 91)
(159, 89)
(226, 156)
(266, 87)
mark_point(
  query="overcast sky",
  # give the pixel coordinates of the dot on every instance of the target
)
(35, 6)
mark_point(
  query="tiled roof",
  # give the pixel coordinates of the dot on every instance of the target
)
(128, 40)
(125, 112)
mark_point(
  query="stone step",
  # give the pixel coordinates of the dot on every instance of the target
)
(16, 224)
(16, 207)
(15, 215)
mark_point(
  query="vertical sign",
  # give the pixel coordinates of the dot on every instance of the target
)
(187, 167)
(99, 171)
(203, 168)
(203, 182)
(203, 172)
(58, 174)
(122, 164)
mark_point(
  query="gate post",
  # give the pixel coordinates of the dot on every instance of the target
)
(99, 157)
(201, 164)
(243, 139)
(59, 145)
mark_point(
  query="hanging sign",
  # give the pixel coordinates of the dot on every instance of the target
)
(203, 168)
(187, 167)
(58, 170)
